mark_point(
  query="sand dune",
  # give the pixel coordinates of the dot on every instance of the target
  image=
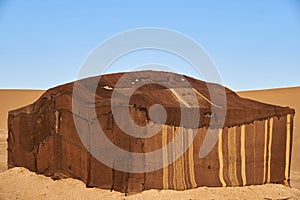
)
(19, 183)
(12, 99)
(9, 100)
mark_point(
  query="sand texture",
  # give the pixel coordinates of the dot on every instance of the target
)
(19, 183)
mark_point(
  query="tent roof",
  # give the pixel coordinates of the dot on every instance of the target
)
(176, 93)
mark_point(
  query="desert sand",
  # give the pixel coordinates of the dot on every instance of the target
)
(9, 100)
(12, 99)
(19, 183)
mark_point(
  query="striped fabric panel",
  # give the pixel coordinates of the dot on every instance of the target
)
(221, 161)
(180, 174)
(165, 157)
(178, 165)
(265, 151)
(288, 148)
(191, 159)
(269, 150)
(243, 155)
(232, 157)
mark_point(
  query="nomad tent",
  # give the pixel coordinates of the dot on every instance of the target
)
(220, 138)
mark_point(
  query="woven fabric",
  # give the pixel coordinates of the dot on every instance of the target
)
(254, 144)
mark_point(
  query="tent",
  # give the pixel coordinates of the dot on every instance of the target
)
(57, 135)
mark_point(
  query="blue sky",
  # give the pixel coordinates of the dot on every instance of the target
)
(254, 44)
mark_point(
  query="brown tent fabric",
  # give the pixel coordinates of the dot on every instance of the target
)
(254, 145)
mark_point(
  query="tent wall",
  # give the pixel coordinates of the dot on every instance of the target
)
(47, 142)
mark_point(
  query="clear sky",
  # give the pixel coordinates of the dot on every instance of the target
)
(254, 44)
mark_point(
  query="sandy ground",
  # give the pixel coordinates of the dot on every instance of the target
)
(19, 183)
